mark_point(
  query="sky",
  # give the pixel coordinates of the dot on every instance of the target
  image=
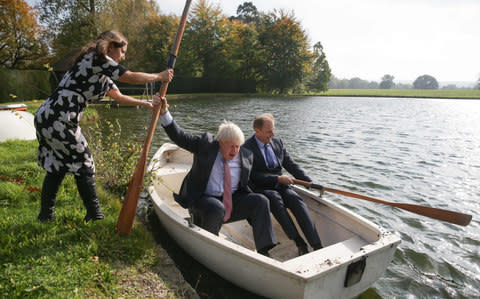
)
(371, 38)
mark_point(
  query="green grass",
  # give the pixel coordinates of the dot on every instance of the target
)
(411, 93)
(402, 93)
(66, 258)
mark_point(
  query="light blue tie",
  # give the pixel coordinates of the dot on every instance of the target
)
(268, 157)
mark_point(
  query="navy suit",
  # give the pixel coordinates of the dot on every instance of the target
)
(265, 180)
(209, 211)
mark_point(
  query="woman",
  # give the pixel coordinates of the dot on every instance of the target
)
(62, 146)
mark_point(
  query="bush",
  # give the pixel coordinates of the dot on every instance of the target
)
(23, 85)
(115, 159)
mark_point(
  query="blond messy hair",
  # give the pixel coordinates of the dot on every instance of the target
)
(228, 131)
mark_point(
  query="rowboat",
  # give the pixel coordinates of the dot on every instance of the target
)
(15, 107)
(16, 125)
(356, 252)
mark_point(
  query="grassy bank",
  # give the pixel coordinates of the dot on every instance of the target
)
(68, 258)
(400, 93)
(404, 93)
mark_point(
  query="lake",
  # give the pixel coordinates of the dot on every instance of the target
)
(420, 151)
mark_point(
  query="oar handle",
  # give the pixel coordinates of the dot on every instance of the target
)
(308, 184)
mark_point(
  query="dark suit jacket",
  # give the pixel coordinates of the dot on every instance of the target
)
(204, 149)
(264, 178)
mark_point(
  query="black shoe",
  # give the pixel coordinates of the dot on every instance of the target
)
(301, 245)
(46, 217)
(302, 249)
(264, 250)
(97, 216)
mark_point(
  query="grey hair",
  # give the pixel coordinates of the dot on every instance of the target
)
(228, 131)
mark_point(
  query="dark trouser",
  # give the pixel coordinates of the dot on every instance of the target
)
(86, 187)
(209, 212)
(283, 198)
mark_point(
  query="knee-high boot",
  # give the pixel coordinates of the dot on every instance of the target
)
(50, 187)
(88, 192)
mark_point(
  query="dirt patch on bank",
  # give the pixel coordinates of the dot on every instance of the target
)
(163, 280)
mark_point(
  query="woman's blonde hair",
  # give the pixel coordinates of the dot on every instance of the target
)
(228, 131)
(101, 44)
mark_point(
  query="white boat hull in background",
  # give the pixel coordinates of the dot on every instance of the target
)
(16, 125)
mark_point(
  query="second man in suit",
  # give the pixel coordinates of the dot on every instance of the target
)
(270, 156)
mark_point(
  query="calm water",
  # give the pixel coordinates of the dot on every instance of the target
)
(421, 151)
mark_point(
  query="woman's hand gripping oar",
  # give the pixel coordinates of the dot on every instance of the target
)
(439, 214)
(129, 208)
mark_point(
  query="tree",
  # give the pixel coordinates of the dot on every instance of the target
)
(246, 52)
(247, 13)
(205, 40)
(425, 82)
(321, 69)
(70, 23)
(131, 17)
(387, 82)
(286, 54)
(158, 34)
(20, 46)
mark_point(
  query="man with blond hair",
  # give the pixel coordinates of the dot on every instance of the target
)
(270, 157)
(216, 189)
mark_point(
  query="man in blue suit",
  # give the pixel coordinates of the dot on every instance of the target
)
(203, 190)
(270, 156)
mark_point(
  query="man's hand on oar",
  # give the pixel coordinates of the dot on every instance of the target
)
(439, 214)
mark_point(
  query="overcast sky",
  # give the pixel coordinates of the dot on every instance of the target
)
(371, 38)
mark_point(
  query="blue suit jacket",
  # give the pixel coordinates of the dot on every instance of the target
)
(265, 178)
(204, 149)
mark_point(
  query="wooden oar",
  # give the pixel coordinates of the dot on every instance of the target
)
(439, 214)
(129, 208)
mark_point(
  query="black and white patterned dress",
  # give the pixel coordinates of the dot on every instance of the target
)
(62, 146)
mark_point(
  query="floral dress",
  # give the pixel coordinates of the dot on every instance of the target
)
(62, 146)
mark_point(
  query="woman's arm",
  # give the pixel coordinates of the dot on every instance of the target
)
(127, 100)
(142, 78)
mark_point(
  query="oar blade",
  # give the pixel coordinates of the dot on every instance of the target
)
(439, 214)
(130, 202)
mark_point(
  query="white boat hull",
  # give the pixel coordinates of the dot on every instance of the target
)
(348, 239)
(16, 125)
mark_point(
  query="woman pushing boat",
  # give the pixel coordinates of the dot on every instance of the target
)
(62, 147)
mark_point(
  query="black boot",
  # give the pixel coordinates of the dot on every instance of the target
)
(88, 192)
(50, 187)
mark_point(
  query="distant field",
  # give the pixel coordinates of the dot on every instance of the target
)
(411, 93)
(401, 93)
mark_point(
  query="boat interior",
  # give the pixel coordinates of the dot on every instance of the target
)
(341, 231)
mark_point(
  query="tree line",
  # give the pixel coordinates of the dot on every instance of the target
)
(271, 48)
